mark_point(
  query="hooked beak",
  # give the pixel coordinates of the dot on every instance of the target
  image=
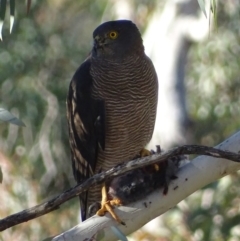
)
(99, 42)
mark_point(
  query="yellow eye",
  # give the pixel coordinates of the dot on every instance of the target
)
(113, 35)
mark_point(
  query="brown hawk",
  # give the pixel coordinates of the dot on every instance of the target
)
(111, 104)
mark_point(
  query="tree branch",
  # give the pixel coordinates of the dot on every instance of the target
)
(191, 177)
(55, 203)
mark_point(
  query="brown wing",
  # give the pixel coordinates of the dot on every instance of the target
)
(86, 122)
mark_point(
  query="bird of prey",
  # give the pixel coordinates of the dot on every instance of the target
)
(111, 104)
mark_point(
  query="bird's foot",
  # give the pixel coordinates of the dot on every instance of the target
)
(145, 152)
(107, 206)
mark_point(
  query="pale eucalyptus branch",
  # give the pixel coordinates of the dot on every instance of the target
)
(198, 173)
(55, 203)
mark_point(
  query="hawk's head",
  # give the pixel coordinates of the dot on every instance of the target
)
(117, 40)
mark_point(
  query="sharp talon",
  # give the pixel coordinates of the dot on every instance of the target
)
(107, 206)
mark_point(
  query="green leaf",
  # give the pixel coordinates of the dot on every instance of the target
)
(8, 117)
(1, 26)
(12, 11)
(202, 6)
(3, 4)
(213, 8)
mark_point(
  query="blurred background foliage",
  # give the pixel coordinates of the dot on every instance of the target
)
(213, 79)
(37, 62)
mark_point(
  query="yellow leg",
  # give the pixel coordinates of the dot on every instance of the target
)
(107, 205)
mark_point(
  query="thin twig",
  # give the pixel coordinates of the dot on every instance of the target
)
(55, 203)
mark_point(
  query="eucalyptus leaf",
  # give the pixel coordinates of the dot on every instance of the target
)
(213, 8)
(12, 11)
(3, 4)
(8, 117)
(1, 26)
(202, 6)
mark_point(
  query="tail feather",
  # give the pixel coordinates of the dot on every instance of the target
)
(83, 197)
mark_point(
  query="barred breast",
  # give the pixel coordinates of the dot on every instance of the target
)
(129, 90)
